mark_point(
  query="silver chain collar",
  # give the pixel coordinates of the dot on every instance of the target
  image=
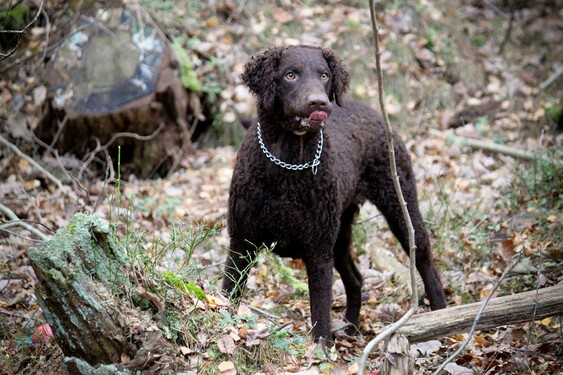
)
(313, 164)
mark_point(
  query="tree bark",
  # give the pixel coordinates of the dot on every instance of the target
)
(80, 273)
(513, 309)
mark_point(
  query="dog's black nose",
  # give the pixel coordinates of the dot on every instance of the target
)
(318, 101)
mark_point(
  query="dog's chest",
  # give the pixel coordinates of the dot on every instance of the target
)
(288, 208)
(295, 197)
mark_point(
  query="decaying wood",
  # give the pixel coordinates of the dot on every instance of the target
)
(384, 260)
(486, 145)
(513, 309)
(87, 297)
(79, 273)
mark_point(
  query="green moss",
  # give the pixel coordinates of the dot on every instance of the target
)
(188, 75)
(14, 18)
(183, 286)
(73, 248)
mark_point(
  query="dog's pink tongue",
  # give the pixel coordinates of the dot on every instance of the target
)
(318, 116)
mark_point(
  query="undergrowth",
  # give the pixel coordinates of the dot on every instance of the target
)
(528, 219)
(186, 306)
(539, 185)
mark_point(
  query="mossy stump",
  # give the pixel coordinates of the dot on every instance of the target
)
(80, 273)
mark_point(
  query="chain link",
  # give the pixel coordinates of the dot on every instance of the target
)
(313, 164)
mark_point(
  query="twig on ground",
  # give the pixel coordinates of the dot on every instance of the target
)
(110, 177)
(264, 312)
(554, 77)
(64, 189)
(531, 329)
(15, 220)
(495, 8)
(478, 316)
(411, 235)
(62, 125)
(61, 166)
(485, 145)
(47, 35)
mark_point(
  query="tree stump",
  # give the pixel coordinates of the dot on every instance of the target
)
(80, 272)
(115, 81)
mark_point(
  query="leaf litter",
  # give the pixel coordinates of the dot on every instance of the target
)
(465, 193)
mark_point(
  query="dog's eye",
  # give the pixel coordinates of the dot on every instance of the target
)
(290, 76)
(324, 76)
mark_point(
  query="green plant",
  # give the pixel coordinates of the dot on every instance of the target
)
(188, 75)
(479, 40)
(259, 253)
(432, 35)
(115, 197)
(554, 114)
(287, 275)
(187, 287)
(541, 183)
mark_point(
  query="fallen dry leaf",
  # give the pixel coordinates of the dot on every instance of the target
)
(226, 345)
(227, 368)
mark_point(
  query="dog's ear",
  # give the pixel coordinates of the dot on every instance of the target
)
(340, 76)
(260, 75)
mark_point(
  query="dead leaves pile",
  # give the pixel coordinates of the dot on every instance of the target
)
(437, 77)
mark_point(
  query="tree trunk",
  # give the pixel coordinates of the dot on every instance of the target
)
(80, 273)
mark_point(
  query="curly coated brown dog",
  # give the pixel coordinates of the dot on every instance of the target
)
(302, 172)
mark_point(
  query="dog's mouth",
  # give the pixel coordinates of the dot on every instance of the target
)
(313, 123)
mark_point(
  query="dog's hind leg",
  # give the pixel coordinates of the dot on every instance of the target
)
(385, 198)
(344, 264)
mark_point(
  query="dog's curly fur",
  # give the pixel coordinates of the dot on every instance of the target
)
(310, 216)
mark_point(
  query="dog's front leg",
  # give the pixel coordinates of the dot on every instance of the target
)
(319, 273)
(237, 266)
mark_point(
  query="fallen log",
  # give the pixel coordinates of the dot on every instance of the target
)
(513, 309)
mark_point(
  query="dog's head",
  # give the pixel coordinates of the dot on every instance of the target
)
(297, 84)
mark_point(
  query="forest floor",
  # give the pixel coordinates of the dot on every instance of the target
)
(445, 80)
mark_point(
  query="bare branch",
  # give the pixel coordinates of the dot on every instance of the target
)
(412, 246)
(545, 84)
(91, 155)
(15, 220)
(509, 29)
(64, 189)
(478, 316)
